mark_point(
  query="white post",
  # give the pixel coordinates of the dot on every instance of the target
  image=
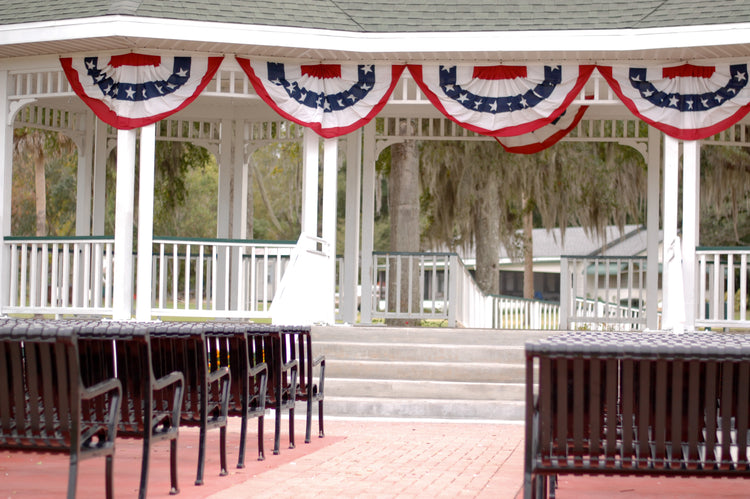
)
(652, 228)
(671, 188)
(330, 174)
(690, 231)
(348, 295)
(122, 297)
(145, 222)
(368, 220)
(6, 187)
(223, 210)
(239, 210)
(309, 219)
(100, 178)
(83, 183)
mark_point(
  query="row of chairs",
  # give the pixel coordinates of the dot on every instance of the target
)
(196, 374)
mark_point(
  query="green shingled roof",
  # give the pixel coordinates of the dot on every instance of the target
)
(383, 16)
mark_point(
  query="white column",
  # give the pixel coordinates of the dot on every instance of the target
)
(670, 317)
(239, 211)
(225, 180)
(309, 219)
(348, 295)
(368, 220)
(100, 178)
(145, 222)
(652, 228)
(122, 295)
(6, 185)
(223, 211)
(330, 174)
(83, 183)
(690, 223)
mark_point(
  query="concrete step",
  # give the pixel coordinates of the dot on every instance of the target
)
(419, 352)
(425, 408)
(428, 371)
(444, 336)
(419, 389)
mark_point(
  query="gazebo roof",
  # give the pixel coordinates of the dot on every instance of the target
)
(392, 16)
(385, 30)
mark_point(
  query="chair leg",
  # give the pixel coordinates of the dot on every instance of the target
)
(261, 452)
(109, 477)
(144, 469)
(308, 423)
(321, 433)
(173, 466)
(73, 476)
(277, 432)
(223, 451)
(243, 440)
(201, 456)
(291, 428)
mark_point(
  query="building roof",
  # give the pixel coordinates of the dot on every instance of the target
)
(598, 31)
(390, 16)
(549, 245)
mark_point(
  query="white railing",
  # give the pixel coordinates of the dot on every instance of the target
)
(603, 292)
(216, 277)
(59, 275)
(519, 313)
(447, 291)
(722, 287)
(410, 285)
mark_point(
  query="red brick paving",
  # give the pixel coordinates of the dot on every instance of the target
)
(357, 458)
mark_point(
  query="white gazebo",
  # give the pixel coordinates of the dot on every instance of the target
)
(233, 77)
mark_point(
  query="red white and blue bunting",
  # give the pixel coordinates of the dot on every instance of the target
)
(547, 136)
(686, 102)
(501, 101)
(332, 99)
(134, 90)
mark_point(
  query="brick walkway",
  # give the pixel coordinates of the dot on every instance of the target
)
(357, 459)
(400, 459)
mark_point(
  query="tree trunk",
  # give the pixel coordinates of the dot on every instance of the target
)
(528, 255)
(487, 239)
(40, 192)
(403, 198)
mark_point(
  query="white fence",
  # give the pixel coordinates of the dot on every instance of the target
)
(190, 277)
(442, 288)
(603, 292)
(722, 287)
(216, 277)
(55, 275)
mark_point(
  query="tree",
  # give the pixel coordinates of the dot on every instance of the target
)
(403, 207)
(725, 182)
(40, 151)
(473, 189)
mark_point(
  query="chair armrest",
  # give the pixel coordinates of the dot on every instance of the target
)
(262, 370)
(112, 384)
(319, 360)
(218, 374)
(173, 378)
(169, 379)
(256, 370)
(113, 414)
(222, 374)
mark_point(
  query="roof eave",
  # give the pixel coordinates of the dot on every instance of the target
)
(613, 45)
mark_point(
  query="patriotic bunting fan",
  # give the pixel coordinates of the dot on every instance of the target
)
(134, 90)
(687, 102)
(547, 136)
(332, 99)
(501, 101)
